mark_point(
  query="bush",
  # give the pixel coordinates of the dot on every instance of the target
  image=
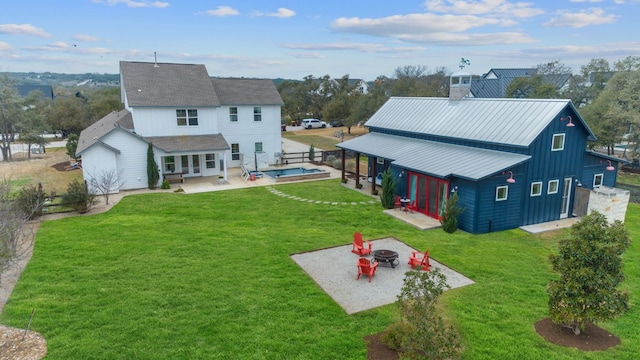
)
(330, 159)
(350, 166)
(165, 185)
(337, 164)
(395, 334)
(78, 197)
(388, 190)
(449, 218)
(31, 200)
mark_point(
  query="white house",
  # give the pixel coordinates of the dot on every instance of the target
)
(198, 126)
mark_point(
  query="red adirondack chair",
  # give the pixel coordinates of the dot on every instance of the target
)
(397, 204)
(365, 267)
(359, 246)
(419, 260)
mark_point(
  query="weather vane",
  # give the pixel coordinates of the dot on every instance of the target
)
(464, 62)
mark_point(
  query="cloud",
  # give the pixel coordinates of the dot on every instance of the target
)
(363, 47)
(86, 38)
(283, 13)
(580, 19)
(134, 4)
(22, 29)
(5, 46)
(223, 11)
(501, 8)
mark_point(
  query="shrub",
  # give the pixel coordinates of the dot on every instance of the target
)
(350, 166)
(388, 189)
(165, 185)
(330, 159)
(449, 218)
(337, 164)
(30, 201)
(78, 197)
(152, 168)
(395, 334)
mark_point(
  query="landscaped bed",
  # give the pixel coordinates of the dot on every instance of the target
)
(169, 276)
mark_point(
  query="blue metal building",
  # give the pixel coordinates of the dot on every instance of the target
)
(513, 162)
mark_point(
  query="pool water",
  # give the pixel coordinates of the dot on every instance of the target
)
(290, 171)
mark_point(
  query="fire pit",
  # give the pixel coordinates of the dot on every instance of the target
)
(386, 257)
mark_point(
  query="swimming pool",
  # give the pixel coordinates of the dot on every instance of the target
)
(296, 174)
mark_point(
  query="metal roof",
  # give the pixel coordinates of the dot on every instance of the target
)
(163, 84)
(499, 121)
(430, 157)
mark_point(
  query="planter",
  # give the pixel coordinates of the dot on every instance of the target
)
(220, 180)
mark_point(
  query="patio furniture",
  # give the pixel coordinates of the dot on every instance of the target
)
(360, 247)
(419, 260)
(366, 267)
(397, 204)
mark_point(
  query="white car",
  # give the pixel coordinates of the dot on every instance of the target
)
(313, 124)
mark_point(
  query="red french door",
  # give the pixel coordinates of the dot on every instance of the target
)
(428, 194)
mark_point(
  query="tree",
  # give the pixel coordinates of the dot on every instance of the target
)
(153, 175)
(387, 198)
(590, 268)
(531, 88)
(72, 145)
(554, 67)
(312, 154)
(69, 115)
(630, 63)
(422, 333)
(105, 183)
(10, 115)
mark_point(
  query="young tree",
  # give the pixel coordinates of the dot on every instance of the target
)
(105, 183)
(14, 242)
(388, 189)
(10, 115)
(590, 268)
(153, 175)
(72, 145)
(450, 215)
(312, 154)
(422, 334)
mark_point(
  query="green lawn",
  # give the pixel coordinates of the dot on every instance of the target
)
(208, 276)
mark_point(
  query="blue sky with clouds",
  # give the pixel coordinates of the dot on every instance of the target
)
(295, 38)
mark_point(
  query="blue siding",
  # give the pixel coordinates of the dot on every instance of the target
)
(596, 165)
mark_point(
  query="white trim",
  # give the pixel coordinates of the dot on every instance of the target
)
(553, 141)
(506, 192)
(539, 192)
(595, 176)
(557, 182)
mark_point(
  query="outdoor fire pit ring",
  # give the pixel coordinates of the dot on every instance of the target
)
(386, 257)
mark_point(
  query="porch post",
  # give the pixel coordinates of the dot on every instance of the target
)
(343, 162)
(357, 169)
(224, 164)
(374, 173)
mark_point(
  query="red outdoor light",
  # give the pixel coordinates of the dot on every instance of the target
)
(570, 121)
(510, 180)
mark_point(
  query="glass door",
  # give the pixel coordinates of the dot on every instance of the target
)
(190, 164)
(428, 193)
(566, 197)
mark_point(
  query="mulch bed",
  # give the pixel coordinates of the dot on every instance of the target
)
(593, 338)
(376, 350)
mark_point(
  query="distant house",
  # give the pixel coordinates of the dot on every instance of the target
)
(494, 84)
(513, 162)
(198, 125)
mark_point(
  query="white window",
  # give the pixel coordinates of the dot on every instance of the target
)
(258, 147)
(380, 161)
(210, 161)
(552, 186)
(501, 193)
(536, 188)
(235, 151)
(257, 113)
(558, 142)
(233, 114)
(187, 117)
(597, 180)
(169, 164)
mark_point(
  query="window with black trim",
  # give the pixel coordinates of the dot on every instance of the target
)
(558, 142)
(501, 193)
(257, 113)
(187, 117)
(597, 180)
(210, 161)
(552, 186)
(536, 188)
(258, 147)
(235, 151)
(233, 114)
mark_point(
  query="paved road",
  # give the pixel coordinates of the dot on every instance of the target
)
(20, 147)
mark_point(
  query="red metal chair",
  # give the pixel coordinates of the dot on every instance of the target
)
(419, 260)
(412, 206)
(365, 267)
(397, 204)
(359, 245)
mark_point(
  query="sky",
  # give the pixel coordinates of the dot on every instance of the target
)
(292, 39)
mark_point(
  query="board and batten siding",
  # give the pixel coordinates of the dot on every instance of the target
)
(132, 163)
(102, 155)
(596, 165)
(163, 122)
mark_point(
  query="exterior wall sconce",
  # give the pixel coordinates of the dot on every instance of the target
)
(510, 180)
(454, 189)
(610, 166)
(401, 173)
(570, 124)
(578, 183)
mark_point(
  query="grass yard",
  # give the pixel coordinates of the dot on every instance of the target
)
(208, 276)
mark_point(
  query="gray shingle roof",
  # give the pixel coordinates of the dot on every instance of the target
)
(435, 158)
(213, 142)
(234, 91)
(100, 128)
(163, 84)
(501, 121)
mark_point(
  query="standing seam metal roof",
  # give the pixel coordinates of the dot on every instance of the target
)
(431, 157)
(500, 121)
